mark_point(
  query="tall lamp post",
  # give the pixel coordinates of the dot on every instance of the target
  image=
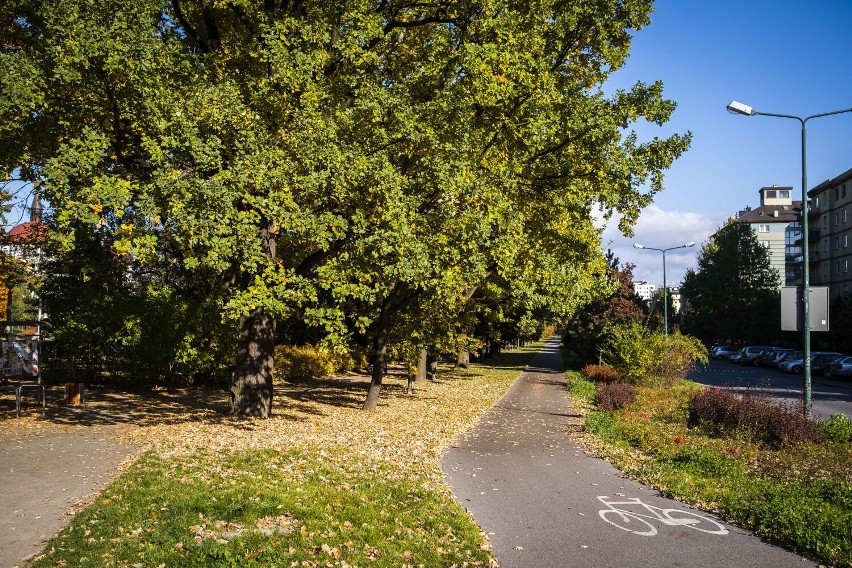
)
(665, 288)
(739, 108)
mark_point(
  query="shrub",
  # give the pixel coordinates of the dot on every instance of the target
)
(614, 396)
(770, 423)
(640, 355)
(674, 356)
(600, 373)
(294, 362)
(837, 428)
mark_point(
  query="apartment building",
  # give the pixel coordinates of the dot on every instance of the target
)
(777, 225)
(644, 290)
(830, 228)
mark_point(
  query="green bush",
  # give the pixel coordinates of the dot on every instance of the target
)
(580, 386)
(837, 428)
(294, 362)
(641, 356)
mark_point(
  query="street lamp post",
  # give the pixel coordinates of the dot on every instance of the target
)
(665, 287)
(739, 108)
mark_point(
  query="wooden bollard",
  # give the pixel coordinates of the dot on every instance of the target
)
(73, 393)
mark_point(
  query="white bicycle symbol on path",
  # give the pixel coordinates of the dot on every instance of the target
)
(635, 522)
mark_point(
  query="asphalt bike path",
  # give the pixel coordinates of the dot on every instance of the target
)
(46, 476)
(543, 502)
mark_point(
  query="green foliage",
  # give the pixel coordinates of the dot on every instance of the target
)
(799, 494)
(706, 462)
(837, 428)
(359, 164)
(617, 305)
(580, 387)
(298, 362)
(733, 294)
(641, 355)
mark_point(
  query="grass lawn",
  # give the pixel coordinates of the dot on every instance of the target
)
(321, 483)
(799, 495)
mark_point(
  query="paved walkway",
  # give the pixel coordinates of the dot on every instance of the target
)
(539, 497)
(46, 474)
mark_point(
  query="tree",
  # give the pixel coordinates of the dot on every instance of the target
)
(733, 295)
(320, 158)
(620, 306)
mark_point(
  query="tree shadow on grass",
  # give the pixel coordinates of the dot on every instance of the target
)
(292, 400)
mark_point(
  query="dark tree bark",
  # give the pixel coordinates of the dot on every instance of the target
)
(431, 366)
(379, 354)
(251, 393)
(421, 365)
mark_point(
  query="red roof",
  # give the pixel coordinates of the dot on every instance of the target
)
(31, 232)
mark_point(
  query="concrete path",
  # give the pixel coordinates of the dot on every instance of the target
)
(543, 501)
(46, 474)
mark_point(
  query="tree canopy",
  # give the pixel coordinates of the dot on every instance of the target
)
(355, 164)
(733, 295)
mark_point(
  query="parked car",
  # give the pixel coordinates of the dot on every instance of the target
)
(840, 367)
(767, 359)
(723, 352)
(818, 361)
(787, 356)
(821, 363)
(747, 355)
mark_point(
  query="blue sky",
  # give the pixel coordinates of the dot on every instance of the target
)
(783, 56)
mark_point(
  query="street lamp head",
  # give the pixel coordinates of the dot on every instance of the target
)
(638, 246)
(735, 107)
(690, 244)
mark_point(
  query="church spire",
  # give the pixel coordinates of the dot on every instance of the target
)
(35, 209)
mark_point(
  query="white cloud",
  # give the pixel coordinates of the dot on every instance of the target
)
(662, 229)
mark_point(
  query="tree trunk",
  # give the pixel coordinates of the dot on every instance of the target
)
(379, 355)
(251, 392)
(431, 366)
(463, 359)
(421, 365)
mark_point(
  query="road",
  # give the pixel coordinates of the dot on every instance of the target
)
(544, 502)
(829, 396)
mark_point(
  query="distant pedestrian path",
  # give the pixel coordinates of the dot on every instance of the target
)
(544, 502)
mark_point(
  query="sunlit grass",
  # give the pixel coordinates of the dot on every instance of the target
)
(799, 495)
(328, 483)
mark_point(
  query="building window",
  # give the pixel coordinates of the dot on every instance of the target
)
(816, 202)
(843, 191)
(844, 215)
(845, 241)
(836, 243)
(825, 222)
(765, 243)
(784, 194)
(836, 194)
(837, 267)
(825, 246)
(763, 228)
(845, 266)
(836, 218)
(770, 194)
